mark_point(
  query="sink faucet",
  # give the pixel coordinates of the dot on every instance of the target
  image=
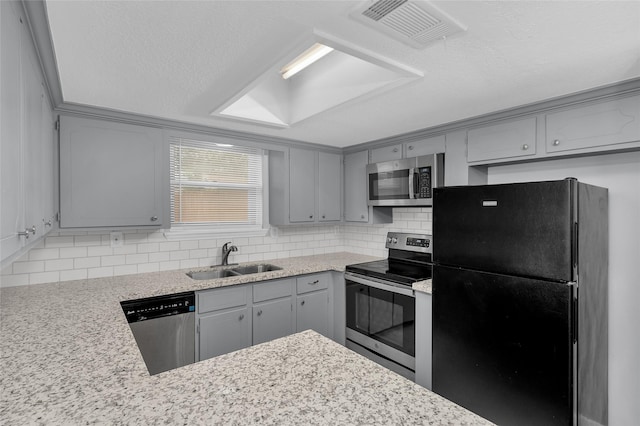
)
(226, 251)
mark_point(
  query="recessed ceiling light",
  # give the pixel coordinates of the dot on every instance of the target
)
(305, 59)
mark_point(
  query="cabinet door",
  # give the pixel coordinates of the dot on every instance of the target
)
(221, 333)
(11, 193)
(110, 174)
(329, 185)
(603, 124)
(504, 140)
(355, 187)
(312, 312)
(272, 320)
(302, 185)
(386, 153)
(425, 147)
(49, 149)
(33, 97)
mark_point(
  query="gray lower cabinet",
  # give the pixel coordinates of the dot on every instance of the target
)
(423, 339)
(223, 321)
(235, 317)
(313, 304)
(273, 310)
(224, 332)
(311, 312)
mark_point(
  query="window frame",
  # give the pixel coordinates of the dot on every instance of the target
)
(211, 230)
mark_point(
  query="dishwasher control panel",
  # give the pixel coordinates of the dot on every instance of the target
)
(160, 306)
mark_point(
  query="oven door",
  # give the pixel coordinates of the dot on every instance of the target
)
(381, 317)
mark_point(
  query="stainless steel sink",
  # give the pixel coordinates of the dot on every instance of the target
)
(212, 274)
(233, 272)
(255, 269)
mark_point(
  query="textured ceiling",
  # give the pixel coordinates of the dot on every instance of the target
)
(182, 59)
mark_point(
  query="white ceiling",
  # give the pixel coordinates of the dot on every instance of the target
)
(182, 59)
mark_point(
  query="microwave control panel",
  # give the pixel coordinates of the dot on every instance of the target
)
(424, 179)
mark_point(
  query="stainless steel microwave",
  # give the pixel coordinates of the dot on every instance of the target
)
(407, 182)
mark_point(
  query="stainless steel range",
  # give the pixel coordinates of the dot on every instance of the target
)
(380, 302)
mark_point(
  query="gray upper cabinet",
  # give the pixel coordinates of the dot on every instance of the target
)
(355, 187)
(511, 139)
(27, 179)
(304, 186)
(329, 186)
(386, 153)
(426, 146)
(111, 174)
(614, 124)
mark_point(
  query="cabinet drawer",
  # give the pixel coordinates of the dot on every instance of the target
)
(222, 298)
(603, 124)
(272, 290)
(314, 282)
(504, 140)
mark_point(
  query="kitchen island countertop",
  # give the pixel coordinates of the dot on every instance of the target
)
(67, 356)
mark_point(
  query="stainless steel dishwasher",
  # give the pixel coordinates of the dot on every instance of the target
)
(164, 328)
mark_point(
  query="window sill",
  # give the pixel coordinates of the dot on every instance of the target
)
(208, 233)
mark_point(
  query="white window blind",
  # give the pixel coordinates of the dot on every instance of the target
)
(215, 185)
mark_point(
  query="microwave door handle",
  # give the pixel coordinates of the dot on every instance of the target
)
(411, 180)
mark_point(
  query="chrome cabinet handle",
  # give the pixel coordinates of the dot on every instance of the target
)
(241, 317)
(302, 303)
(260, 312)
(525, 147)
(154, 218)
(556, 142)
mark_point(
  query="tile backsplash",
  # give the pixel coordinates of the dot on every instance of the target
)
(65, 256)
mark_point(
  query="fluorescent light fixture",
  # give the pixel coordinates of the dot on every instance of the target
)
(305, 59)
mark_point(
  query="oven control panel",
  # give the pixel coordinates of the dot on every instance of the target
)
(409, 242)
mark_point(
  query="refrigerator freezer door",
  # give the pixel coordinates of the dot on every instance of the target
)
(503, 346)
(524, 229)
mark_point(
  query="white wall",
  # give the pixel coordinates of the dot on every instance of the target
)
(620, 173)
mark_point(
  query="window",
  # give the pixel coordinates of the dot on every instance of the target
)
(214, 185)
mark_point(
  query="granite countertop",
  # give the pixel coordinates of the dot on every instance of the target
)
(67, 356)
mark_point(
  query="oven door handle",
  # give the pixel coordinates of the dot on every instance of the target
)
(372, 282)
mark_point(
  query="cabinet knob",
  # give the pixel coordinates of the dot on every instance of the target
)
(556, 142)
(154, 218)
(410, 147)
(311, 217)
(323, 216)
(525, 147)
(302, 303)
(241, 317)
(362, 216)
(260, 312)
(395, 149)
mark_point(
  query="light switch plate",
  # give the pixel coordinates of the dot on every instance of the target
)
(117, 239)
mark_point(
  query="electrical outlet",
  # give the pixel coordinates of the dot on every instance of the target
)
(117, 239)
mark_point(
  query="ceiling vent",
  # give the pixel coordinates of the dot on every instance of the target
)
(416, 23)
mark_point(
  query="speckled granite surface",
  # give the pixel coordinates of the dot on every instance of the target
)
(423, 286)
(67, 356)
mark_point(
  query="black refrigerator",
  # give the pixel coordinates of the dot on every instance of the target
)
(520, 301)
